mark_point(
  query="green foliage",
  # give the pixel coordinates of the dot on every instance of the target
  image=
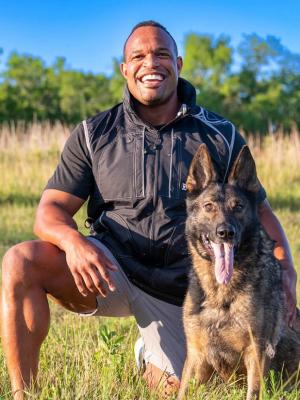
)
(206, 61)
(32, 91)
(111, 341)
(256, 52)
(256, 85)
(117, 82)
(262, 96)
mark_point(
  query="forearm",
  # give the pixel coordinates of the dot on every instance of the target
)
(283, 254)
(274, 229)
(54, 221)
(55, 225)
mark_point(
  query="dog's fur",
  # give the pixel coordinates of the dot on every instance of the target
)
(233, 317)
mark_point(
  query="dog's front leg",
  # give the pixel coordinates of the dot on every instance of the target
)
(187, 373)
(194, 366)
(257, 365)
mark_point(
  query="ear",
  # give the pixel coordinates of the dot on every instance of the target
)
(123, 69)
(243, 172)
(179, 63)
(202, 171)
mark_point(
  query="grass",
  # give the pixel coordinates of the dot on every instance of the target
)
(92, 358)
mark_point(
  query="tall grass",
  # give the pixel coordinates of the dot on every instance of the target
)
(92, 358)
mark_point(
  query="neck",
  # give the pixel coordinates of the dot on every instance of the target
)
(159, 114)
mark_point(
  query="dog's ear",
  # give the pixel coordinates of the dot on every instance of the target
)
(243, 172)
(202, 171)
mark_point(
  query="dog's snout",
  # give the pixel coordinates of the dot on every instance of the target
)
(226, 231)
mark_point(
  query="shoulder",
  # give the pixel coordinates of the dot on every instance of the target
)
(104, 120)
(218, 126)
(96, 127)
(221, 137)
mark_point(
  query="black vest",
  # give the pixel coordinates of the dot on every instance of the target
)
(138, 204)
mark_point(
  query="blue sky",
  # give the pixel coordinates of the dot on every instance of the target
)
(90, 33)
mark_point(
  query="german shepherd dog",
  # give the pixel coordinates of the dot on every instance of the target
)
(233, 311)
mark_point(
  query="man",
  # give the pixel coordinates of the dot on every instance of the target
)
(131, 162)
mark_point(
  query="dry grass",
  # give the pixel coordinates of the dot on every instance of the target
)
(75, 361)
(35, 136)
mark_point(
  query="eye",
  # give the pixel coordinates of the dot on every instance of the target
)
(208, 207)
(238, 207)
(163, 55)
(137, 57)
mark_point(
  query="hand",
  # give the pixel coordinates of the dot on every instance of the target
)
(289, 278)
(89, 266)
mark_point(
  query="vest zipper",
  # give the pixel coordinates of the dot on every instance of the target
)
(171, 162)
(181, 114)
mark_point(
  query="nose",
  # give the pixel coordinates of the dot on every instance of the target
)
(151, 60)
(226, 231)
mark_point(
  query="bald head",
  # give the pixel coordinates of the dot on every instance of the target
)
(155, 25)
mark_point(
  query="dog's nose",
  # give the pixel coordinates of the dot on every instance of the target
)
(226, 231)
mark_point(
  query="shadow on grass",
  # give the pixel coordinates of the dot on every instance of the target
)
(20, 199)
(290, 203)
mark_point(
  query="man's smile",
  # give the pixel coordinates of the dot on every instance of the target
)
(152, 77)
(152, 80)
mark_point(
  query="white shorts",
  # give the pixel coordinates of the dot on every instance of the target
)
(159, 323)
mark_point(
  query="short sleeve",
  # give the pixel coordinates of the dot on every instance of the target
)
(74, 173)
(237, 147)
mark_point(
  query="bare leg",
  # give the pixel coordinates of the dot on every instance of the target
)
(30, 270)
(158, 380)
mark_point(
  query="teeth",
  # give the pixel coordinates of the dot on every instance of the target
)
(206, 239)
(152, 77)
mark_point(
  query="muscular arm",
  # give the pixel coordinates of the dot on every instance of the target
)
(54, 223)
(283, 255)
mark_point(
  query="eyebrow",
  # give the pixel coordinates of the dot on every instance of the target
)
(155, 50)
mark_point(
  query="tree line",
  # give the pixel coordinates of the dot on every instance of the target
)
(256, 85)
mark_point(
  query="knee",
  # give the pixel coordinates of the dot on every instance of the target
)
(16, 265)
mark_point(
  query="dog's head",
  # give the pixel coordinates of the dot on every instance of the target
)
(221, 214)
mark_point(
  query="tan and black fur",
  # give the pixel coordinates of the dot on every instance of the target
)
(236, 326)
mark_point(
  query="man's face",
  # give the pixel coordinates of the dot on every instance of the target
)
(151, 67)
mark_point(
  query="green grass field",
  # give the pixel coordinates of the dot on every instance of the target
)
(92, 358)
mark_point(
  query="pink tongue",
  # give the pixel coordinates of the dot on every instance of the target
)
(223, 261)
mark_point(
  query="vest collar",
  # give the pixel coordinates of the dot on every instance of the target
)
(186, 94)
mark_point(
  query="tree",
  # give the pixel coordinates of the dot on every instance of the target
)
(31, 90)
(117, 82)
(207, 63)
(259, 93)
(27, 91)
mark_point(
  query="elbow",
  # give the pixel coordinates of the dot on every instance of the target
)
(36, 228)
(38, 223)
(265, 213)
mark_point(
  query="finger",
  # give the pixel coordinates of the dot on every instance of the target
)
(88, 281)
(104, 259)
(107, 262)
(101, 268)
(98, 283)
(105, 275)
(80, 284)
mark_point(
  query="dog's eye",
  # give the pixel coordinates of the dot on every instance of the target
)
(238, 207)
(208, 207)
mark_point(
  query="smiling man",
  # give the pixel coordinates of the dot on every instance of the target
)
(151, 69)
(131, 163)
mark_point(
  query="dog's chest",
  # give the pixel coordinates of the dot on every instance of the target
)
(227, 322)
(226, 337)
